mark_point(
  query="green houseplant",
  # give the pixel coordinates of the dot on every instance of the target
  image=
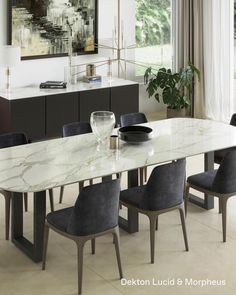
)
(175, 89)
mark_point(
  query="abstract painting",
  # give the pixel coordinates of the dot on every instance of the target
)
(49, 28)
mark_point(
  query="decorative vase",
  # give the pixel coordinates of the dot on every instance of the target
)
(71, 75)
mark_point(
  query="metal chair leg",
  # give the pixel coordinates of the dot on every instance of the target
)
(224, 216)
(45, 245)
(182, 217)
(93, 246)
(157, 222)
(116, 238)
(7, 196)
(61, 194)
(26, 201)
(220, 206)
(187, 188)
(51, 199)
(80, 248)
(152, 219)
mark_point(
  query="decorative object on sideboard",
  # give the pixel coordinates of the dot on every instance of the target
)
(119, 45)
(90, 70)
(53, 85)
(91, 76)
(118, 48)
(71, 74)
(109, 70)
(40, 27)
(74, 73)
(9, 58)
(175, 89)
(92, 79)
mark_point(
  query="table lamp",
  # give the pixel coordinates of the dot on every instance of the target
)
(10, 57)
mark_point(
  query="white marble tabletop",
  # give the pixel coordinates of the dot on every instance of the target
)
(43, 165)
(35, 91)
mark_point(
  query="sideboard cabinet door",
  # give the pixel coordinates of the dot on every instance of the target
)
(124, 99)
(28, 116)
(60, 109)
(93, 100)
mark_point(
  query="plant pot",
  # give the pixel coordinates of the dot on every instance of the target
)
(172, 113)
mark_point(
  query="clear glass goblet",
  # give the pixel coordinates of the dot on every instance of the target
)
(102, 124)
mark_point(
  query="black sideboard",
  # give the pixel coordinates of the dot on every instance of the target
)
(42, 115)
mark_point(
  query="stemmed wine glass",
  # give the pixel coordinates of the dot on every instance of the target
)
(102, 124)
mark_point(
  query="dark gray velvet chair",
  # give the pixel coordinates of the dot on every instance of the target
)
(163, 193)
(95, 214)
(72, 129)
(219, 155)
(220, 183)
(76, 128)
(133, 119)
(10, 140)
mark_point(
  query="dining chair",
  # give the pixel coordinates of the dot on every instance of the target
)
(163, 193)
(220, 154)
(94, 214)
(72, 129)
(133, 119)
(10, 140)
(220, 183)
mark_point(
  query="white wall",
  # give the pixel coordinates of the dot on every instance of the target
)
(35, 71)
(149, 105)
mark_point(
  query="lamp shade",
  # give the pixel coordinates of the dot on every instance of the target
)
(9, 56)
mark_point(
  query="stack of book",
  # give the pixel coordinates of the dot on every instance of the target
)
(92, 79)
(53, 84)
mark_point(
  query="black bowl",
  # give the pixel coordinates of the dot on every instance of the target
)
(135, 134)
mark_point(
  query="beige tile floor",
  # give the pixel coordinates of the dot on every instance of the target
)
(208, 257)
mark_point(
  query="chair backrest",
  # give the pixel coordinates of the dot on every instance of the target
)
(233, 120)
(76, 128)
(225, 179)
(165, 187)
(132, 119)
(12, 139)
(96, 209)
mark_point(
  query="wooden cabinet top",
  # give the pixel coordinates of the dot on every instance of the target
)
(35, 91)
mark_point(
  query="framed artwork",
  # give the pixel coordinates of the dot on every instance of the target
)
(51, 28)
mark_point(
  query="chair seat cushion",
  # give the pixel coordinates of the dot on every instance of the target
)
(133, 196)
(203, 180)
(59, 219)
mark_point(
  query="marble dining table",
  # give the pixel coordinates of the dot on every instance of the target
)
(40, 166)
